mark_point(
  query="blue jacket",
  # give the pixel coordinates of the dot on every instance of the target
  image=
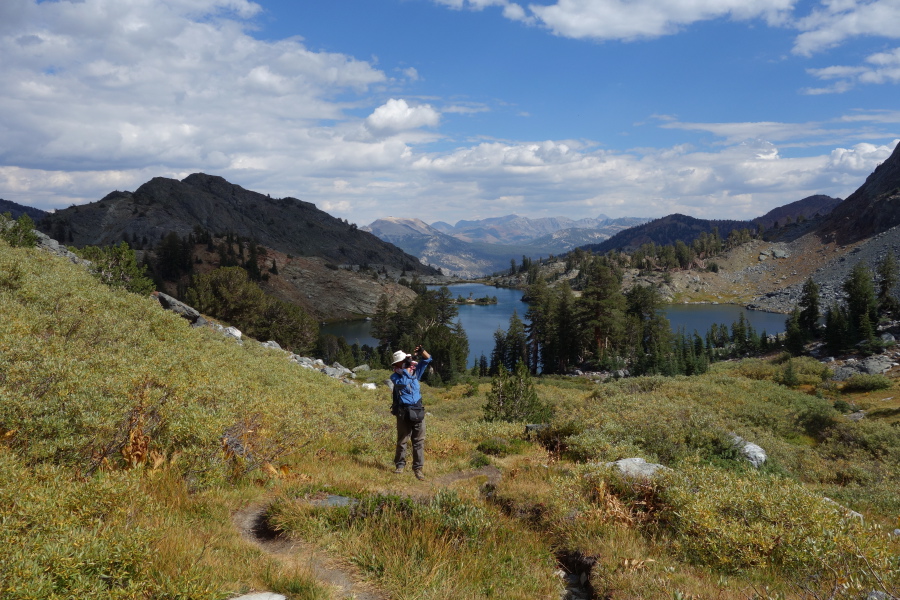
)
(409, 384)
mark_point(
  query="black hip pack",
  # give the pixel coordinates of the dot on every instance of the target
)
(414, 413)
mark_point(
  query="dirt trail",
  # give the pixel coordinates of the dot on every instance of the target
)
(251, 523)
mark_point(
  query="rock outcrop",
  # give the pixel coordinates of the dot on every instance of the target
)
(638, 469)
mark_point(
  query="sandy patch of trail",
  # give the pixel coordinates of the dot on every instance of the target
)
(293, 553)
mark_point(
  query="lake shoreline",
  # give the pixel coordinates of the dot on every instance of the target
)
(482, 321)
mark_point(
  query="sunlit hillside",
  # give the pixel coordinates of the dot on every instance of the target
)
(129, 440)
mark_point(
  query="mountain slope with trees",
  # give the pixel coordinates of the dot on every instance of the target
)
(162, 206)
(666, 231)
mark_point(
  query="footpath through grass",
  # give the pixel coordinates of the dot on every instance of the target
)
(127, 440)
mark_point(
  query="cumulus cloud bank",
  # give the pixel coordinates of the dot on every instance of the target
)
(106, 94)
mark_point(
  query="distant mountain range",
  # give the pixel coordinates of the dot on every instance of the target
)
(486, 246)
(476, 248)
(165, 205)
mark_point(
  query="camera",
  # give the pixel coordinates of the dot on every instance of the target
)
(407, 362)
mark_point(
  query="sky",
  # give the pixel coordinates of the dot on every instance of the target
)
(444, 110)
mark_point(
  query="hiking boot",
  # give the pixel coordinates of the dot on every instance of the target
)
(398, 471)
(419, 474)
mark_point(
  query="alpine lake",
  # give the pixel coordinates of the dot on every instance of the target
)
(481, 320)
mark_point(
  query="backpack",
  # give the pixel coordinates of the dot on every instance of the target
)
(396, 404)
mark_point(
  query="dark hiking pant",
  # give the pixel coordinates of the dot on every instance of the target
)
(405, 431)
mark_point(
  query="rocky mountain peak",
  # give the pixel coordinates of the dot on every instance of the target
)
(871, 209)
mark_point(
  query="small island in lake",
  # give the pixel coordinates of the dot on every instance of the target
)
(470, 300)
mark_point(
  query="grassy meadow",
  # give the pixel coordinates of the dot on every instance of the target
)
(128, 440)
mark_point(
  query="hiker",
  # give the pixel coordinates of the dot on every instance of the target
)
(408, 408)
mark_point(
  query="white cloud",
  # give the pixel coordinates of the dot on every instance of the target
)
(116, 84)
(397, 115)
(628, 20)
(839, 20)
(861, 158)
(788, 134)
(882, 67)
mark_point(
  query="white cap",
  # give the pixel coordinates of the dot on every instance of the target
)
(399, 356)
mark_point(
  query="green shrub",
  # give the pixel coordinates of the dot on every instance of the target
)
(495, 447)
(513, 398)
(842, 406)
(443, 548)
(738, 522)
(600, 446)
(862, 382)
(479, 459)
(19, 233)
(784, 369)
(228, 293)
(116, 266)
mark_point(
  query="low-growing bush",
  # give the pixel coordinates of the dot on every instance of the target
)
(117, 267)
(739, 522)
(513, 398)
(862, 382)
(600, 445)
(19, 232)
(842, 406)
(785, 370)
(495, 446)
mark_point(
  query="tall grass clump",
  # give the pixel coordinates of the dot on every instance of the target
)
(443, 548)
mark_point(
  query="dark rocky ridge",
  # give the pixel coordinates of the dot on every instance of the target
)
(808, 207)
(16, 210)
(666, 230)
(871, 209)
(671, 228)
(163, 205)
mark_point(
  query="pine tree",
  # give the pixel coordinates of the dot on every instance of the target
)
(538, 315)
(795, 336)
(836, 329)
(888, 277)
(117, 267)
(808, 320)
(601, 309)
(862, 304)
(498, 355)
(513, 398)
(516, 344)
(18, 233)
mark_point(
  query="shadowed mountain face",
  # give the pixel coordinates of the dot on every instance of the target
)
(873, 208)
(665, 231)
(789, 213)
(16, 210)
(164, 205)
